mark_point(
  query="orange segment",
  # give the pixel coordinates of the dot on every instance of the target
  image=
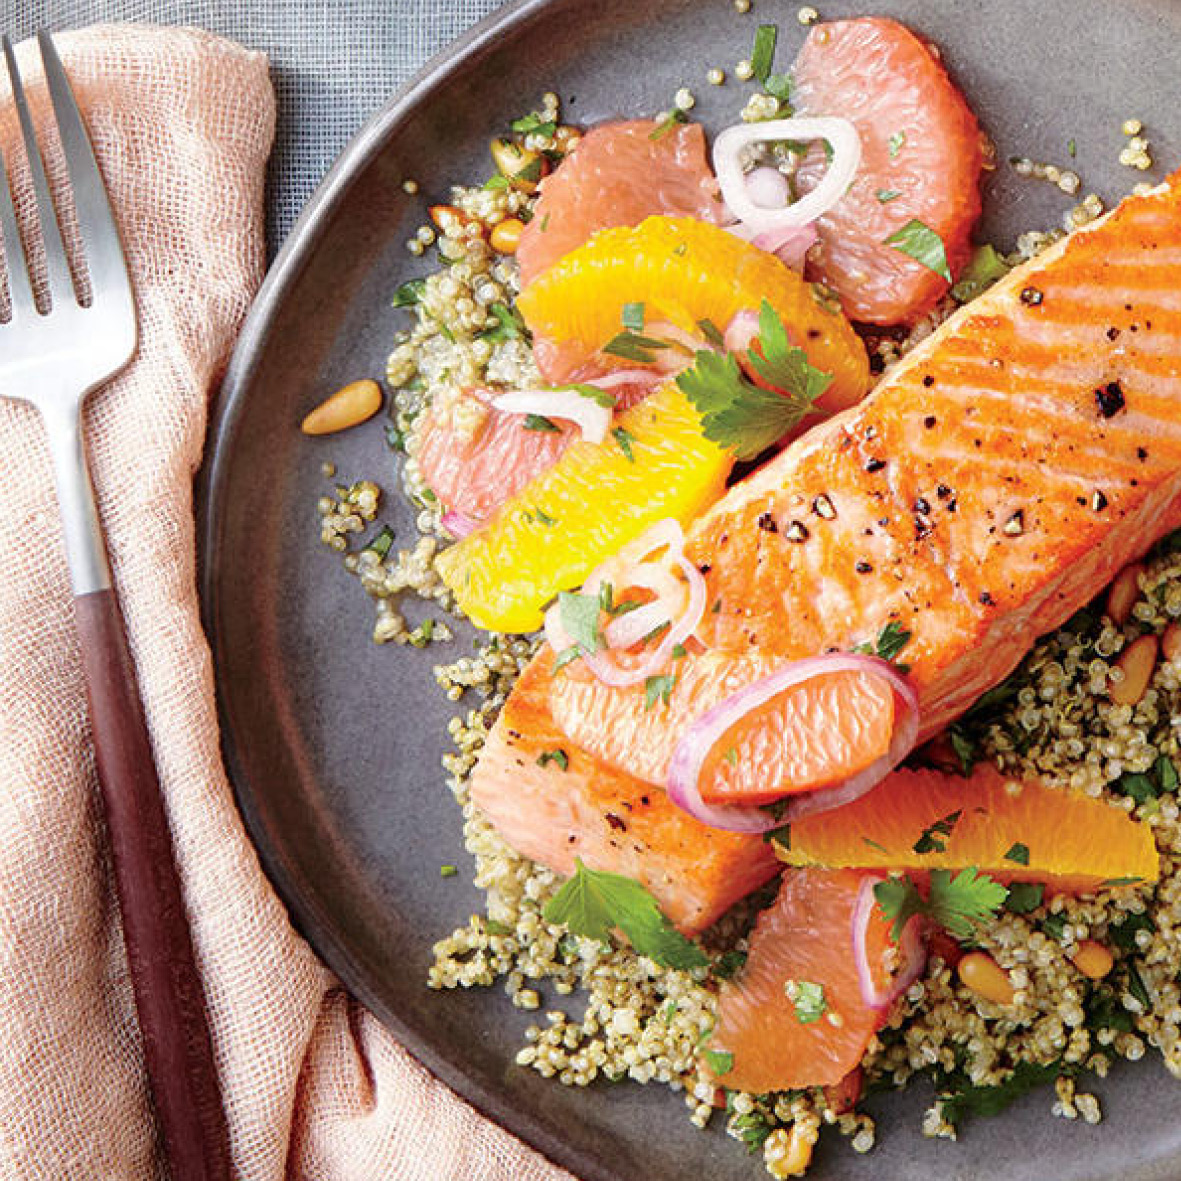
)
(1074, 843)
(804, 937)
(816, 734)
(682, 271)
(568, 519)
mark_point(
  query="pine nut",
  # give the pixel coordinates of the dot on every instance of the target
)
(1170, 642)
(1093, 959)
(449, 218)
(1137, 662)
(350, 405)
(1125, 590)
(523, 167)
(985, 977)
(506, 235)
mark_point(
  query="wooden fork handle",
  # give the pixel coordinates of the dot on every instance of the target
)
(177, 1044)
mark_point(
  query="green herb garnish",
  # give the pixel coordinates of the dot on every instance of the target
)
(984, 268)
(1018, 854)
(917, 240)
(658, 688)
(558, 756)
(958, 904)
(719, 1061)
(728, 965)
(809, 1001)
(621, 436)
(712, 333)
(533, 124)
(885, 196)
(538, 422)
(579, 615)
(895, 143)
(509, 325)
(1024, 897)
(380, 545)
(934, 837)
(632, 317)
(762, 57)
(632, 346)
(970, 1099)
(674, 117)
(593, 902)
(409, 294)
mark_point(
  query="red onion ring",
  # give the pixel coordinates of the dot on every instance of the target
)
(911, 949)
(457, 524)
(741, 332)
(691, 751)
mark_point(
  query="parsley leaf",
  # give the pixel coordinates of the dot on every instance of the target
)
(719, 1061)
(728, 964)
(970, 1099)
(896, 142)
(958, 904)
(1024, 897)
(1124, 934)
(892, 639)
(593, 902)
(762, 57)
(409, 294)
(624, 440)
(1018, 854)
(809, 1001)
(984, 268)
(631, 346)
(579, 615)
(917, 240)
(740, 415)
(933, 838)
(658, 688)
(1054, 925)
(538, 422)
(558, 756)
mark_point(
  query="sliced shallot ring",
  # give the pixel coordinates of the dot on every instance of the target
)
(457, 524)
(591, 418)
(727, 158)
(911, 949)
(689, 757)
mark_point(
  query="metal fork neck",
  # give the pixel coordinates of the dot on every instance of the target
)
(85, 550)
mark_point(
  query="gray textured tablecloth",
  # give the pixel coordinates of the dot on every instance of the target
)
(334, 62)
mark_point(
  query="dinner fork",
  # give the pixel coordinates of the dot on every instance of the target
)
(53, 357)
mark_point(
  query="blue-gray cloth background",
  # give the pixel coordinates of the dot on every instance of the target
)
(333, 62)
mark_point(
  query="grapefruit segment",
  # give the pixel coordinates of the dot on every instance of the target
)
(801, 961)
(618, 174)
(928, 820)
(570, 518)
(921, 161)
(683, 272)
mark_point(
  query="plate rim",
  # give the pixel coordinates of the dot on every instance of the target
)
(225, 410)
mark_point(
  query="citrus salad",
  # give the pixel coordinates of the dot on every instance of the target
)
(761, 478)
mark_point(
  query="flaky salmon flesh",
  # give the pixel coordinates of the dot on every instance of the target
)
(987, 488)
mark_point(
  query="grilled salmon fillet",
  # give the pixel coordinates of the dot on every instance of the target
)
(554, 814)
(986, 489)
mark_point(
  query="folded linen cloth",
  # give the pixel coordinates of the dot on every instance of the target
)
(313, 1086)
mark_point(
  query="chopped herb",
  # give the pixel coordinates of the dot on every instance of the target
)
(885, 196)
(679, 652)
(779, 836)
(809, 1001)
(538, 422)
(958, 904)
(496, 182)
(410, 293)
(751, 1127)
(731, 756)
(658, 688)
(1137, 987)
(596, 395)
(933, 838)
(984, 268)
(624, 440)
(593, 902)
(579, 615)
(675, 116)
(895, 143)
(533, 124)
(740, 415)
(891, 640)
(728, 964)
(447, 871)
(762, 57)
(1166, 773)
(971, 1099)
(493, 927)
(631, 346)
(719, 1061)
(1104, 1011)
(1124, 934)
(917, 240)
(509, 325)
(658, 630)
(1018, 854)
(668, 1011)
(964, 748)
(530, 173)
(543, 518)
(1133, 881)
(1054, 925)
(380, 545)
(558, 756)
(1071, 148)
(545, 222)
(874, 845)
(779, 86)
(712, 333)
(1024, 897)
(566, 656)
(632, 317)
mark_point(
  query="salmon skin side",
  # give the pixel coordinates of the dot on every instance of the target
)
(987, 488)
(610, 820)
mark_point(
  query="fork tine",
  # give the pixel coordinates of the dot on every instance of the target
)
(20, 291)
(100, 235)
(61, 287)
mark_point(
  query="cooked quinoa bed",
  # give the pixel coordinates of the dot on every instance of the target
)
(606, 1012)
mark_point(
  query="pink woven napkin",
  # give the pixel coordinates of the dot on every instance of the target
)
(314, 1087)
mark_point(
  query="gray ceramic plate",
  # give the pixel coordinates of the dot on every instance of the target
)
(334, 743)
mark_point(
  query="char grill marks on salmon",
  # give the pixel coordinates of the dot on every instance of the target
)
(986, 489)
